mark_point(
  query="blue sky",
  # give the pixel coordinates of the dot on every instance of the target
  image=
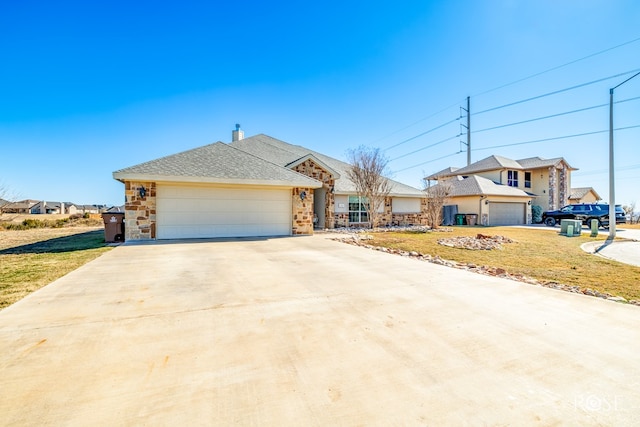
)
(87, 88)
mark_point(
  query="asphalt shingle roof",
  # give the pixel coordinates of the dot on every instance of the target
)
(443, 173)
(539, 162)
(498, 162)
(218, 162)
(579, 193)
(256, 159)
(489, 163)
(283, 153)
(478, 186)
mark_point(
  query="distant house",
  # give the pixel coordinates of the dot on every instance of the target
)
(115, 209)
(584, 195)
(501, 190)
(20, 207)
(84, 209)
(45, 207)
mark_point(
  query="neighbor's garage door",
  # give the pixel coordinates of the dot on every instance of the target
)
(507, 213)
(199, 212)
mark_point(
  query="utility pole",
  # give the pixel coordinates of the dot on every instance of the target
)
(612, 186)
(468, 126)
(468, 130)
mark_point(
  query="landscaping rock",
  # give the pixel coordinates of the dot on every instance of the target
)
(480, 242)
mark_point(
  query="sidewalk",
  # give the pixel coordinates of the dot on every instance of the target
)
(624, 251)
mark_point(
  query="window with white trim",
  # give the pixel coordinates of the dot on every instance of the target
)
(527, 180)
(512, 178)
(358, 209)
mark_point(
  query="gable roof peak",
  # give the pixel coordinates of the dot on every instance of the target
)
(216, 163)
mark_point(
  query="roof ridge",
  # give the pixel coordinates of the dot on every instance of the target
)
(268, 161)
(170, 155)
(283, 142)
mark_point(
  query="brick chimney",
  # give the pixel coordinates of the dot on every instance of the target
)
(237, 134)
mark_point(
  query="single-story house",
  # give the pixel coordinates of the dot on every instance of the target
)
(45, 207)
(20, 207)
(584, 195)
(85, 209)
(255, 186)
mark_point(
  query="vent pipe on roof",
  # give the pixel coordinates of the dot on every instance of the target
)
(237, 134)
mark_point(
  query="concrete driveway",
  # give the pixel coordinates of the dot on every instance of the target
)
(307, 331)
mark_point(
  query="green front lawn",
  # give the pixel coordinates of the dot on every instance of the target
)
(31, 259)
(541, 254)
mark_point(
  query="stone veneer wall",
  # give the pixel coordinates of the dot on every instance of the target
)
(553, 185)
(140, 212)
(388, 217)
(312, 170)
(341, 219)
(302, 211)
(564, 185)
(411, 218)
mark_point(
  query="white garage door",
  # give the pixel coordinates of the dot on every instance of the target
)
(184, 212)
(507, 213)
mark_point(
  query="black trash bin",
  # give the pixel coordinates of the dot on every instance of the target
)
(113, 226)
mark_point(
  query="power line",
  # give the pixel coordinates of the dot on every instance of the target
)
(554, 138)
(553, 115)
(620, 84)
(414, 123)
(557, 67)
(429, 161)
(428, 146)
(628, 177)
(423, 133)
(526, 142)
(508, 84)
(601, 171)
(554, 92)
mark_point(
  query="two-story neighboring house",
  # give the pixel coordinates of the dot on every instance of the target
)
(501, 191)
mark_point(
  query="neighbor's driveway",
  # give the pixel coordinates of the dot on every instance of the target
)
(306, 331)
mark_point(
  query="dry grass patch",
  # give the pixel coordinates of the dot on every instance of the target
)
(541, 254)
(31, 259)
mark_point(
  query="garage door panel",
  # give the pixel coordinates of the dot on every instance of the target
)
(201, 212)
(252, 217)
(271, 205)
(503, 213)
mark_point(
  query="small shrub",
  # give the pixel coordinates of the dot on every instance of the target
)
(59, 223)
(536, 214)
(33, 223)
(15, 226)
